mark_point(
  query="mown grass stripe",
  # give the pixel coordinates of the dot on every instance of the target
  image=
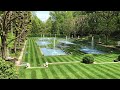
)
(59, 72)
(28, 74)
(89, 70)
(32, 55)
(63, 71)
(102, 58)
(83, 70)
(36, 55)
(54, 60)
(81, 75)
(50, 75)
(44, 74)
(66, 59)
(58, 59)
(45, 59)
(102, 71)
(49, 59)
(33, 74)
(71, 58)
(117, 65)
(61, 59)
(94, 71)
(116, 70)
(110, 71)
(73, 71)
(38, 74)
(77, 58)
(40, 56)
(98, 59)
(21, 73)
(29, 51)
(54, 72)
(26, 55)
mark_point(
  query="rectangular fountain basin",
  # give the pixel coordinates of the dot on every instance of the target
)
(52, 52)
(91, 51)
(43, 43)
(66, 42)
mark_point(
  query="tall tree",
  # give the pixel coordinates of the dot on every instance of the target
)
(106, 23)
(37, 25)
(6, 19)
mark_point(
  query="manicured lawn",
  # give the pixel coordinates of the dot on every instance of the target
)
(74, 71)
(78, 70)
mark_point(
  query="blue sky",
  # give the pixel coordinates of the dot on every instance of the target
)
(43, 15)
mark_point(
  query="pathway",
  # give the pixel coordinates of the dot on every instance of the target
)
(70, 62)
(105, 62)
(21, 55)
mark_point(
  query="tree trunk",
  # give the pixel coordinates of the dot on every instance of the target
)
(74, 34)
(3, 47)
(19, 41)
(16, 34)
(11, 29)
(7, 52)
(106, 41)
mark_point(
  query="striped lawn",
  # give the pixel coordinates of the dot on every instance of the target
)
(67, 71)
(74, 71)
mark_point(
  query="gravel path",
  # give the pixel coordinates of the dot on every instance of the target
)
(21, 55)
(105, 62)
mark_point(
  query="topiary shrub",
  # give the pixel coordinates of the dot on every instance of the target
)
(88, 59)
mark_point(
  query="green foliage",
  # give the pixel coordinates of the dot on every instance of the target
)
(7, 70)
(88, 59)
(118, 58)
(62, 22)
(37, 26)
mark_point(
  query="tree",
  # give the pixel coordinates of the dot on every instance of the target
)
(5, 22)
(37, 26)
(20, 27)
(62, 22)
(68, 23)
(8, 17)
(48, 25)
(81, 23)
(93, 22)
(57, 18)
(106, 23)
